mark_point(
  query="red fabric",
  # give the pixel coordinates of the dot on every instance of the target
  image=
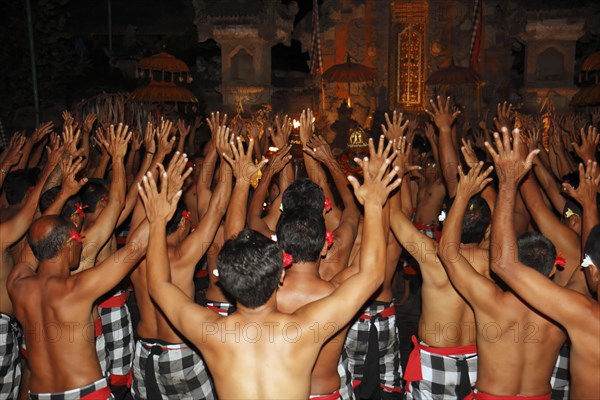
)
(357, 382)
(116, 301)
(486, 396)
(216, 309)
(388, 312)
(413, 372)
(436, 229)
(202, 273)
(333, 396)
(121, 380)
(98, 326)
(100, 394)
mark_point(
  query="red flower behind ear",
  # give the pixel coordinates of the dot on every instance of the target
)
(185, 214)
(329, 238)
(75, 237)
(287, 259)
(560, 261)
(328, 205)
(79, 210)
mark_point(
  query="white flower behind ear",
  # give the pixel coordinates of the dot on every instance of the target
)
(216, 272)
(442, 216)
(587, 261)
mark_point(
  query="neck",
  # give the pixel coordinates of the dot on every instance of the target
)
(311, 268)
(266, 309)
(56, 266)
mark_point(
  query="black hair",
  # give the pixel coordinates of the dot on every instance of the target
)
(572, 178)
(536, 251)
(173, 223)
(572, 205)
(91, 194)
(50, 196)
(48, 247)
(250, 267)
(17, 183)
(476, 220)
(592, 246)
(303, 193)
(301, 233)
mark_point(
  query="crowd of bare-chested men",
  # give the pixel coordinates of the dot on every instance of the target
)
(299, 301)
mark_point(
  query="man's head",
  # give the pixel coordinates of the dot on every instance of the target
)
(18, 183)
(180, 224)
(52, 236)
(73, 209)
(592, 250)
(303, 193)
(250, 268)
(476, 221)
(301, 233)
(571, 215)
(537, 252)
(94, 195)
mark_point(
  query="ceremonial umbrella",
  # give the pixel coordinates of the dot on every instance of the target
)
(587, 96)
(162, 92)
(349, 72)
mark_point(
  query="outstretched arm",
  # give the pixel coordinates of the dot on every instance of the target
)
(562, 305)
(443, 117)
(185, 315)
(478, 290)
(339, 308)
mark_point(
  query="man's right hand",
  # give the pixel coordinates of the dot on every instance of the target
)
(509, 162)
(375, 188)
(159, 209)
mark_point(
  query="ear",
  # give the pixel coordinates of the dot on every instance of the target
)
(488, 231)
(324, 250)
(282, 277)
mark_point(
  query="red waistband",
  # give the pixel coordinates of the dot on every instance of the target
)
(100, 394)
(413, 372)
(333, 396)
(98, 326)
(357, 382)
(217, 310)
(388, 312)
(486, 396)
(121, 380)
(202, 273)
(115, 301)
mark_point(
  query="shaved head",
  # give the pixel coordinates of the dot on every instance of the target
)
(47, 235)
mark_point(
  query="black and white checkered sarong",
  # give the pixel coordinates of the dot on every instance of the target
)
(443, 376)
(560, 380)
(94, 391)
(178, 372)
(10, 359)
(118, 332)
(357, 346)
(346, 391)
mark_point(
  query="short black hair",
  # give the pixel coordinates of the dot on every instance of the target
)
(174, 221)
(301, 233)
(572, 205)
(17, 183)
(48, 247)
(303, 193)
(592, 246)
(476, 220)
(250, 267)
(50, 196)
(537, 251)
(91, 193)
(47, 198)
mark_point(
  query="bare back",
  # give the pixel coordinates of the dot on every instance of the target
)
(585, 353)
(517, 348)
(59, 333)
(299, 289)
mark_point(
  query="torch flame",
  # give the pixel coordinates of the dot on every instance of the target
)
(296, 124)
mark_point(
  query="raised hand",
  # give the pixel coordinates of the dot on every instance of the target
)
(587, 150)
(403, 151)
(70, 167)
(183, 129)
(215, 121)
(102, 142)
(505, 116)
(177, 173)
(319, 149)
(280, 159)
(159, 207)
(284, 129)
(589, 184)
(55, 153)
(136, 142)
(474, 181)
(118, 140)
(378, 157)
(241, 161)
(376, 187)
(306, 125)
(15, 151)
(510, 164)
(149, 143)
(165, 145)
(430, 134)
(41, 131)
(88, 122)
(442, 114)
(222, 139)
(396, 127)
(71, 139)
(469, 153)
